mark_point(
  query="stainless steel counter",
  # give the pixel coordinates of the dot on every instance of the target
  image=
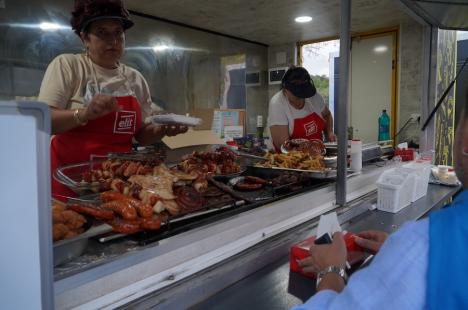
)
(274, 287)
(198, 263)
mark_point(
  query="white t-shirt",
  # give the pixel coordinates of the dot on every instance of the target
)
(280, 112)
(70, 83)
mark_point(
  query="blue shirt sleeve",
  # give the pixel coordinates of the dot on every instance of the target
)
(396, 279)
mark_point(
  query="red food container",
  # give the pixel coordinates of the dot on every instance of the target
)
(405, 154)
(300, 251)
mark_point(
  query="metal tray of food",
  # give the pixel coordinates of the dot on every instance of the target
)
(68, 249)
(72, 176)
(314, 146)
(326, 173)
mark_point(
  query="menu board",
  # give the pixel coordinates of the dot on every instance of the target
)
(228, 118)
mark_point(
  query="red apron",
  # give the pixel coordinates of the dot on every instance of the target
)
(110, 133)
(309, 127)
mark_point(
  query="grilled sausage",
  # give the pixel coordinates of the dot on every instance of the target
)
(256, 180)
(150, 223)
(124, 227)
(243, 186)
(144, 210)
(121, 207)
(96, 212)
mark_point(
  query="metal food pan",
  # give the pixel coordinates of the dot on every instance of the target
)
(71, 176)
(314, 174)
(68, 249)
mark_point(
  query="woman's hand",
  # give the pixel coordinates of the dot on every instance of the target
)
(371, 240)
(99, 106)
(331, 136)
(326, 255)
(153, 133)
(173, 130)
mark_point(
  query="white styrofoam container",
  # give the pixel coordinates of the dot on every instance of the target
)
(422, 172)
(394, 190)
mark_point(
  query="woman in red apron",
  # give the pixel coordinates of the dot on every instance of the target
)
(298, 112)
(107, 120)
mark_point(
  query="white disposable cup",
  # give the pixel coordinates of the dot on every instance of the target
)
(442, 170)
(356, 155)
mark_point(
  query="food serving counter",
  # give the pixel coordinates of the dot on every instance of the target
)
(274, 286)
(128, 270)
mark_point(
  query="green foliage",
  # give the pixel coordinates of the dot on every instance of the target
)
(321, 83)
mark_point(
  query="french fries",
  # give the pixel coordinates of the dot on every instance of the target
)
(294, 160)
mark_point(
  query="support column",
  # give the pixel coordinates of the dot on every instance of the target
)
(342, 113)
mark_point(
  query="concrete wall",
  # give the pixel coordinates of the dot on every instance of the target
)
(410, 78)
(284, 55)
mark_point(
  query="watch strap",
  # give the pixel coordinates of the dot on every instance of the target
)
(332, 269)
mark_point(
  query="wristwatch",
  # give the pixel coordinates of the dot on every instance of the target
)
(338, 270)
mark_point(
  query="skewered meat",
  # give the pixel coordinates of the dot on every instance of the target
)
(118, 185)
(122, 208)
(221, 161)
(115, 169)
(96, 212)
(312, 147)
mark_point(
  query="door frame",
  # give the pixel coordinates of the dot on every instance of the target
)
(394, 31)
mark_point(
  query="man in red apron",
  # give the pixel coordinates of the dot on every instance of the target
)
(298, 111)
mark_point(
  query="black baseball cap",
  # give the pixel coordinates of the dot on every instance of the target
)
(87, 11)
(297, 80)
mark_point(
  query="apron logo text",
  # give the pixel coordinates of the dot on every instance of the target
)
(310, 128)
(125, 122)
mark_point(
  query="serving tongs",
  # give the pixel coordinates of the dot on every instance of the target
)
(247, 155)
(138, 156)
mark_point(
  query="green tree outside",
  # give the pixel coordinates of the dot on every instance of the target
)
(322, 84)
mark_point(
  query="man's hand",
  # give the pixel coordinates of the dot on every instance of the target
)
(99, 106)
(371, 240)
(326, 255)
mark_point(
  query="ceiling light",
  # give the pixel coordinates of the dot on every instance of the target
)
(50, 26)
(303, 19)
(380, 49)
(160, 48)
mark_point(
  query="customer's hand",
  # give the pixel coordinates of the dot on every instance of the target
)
(99, 106)
(371, 240)
(325, 255)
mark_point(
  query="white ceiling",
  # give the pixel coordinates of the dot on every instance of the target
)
(272, 21)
